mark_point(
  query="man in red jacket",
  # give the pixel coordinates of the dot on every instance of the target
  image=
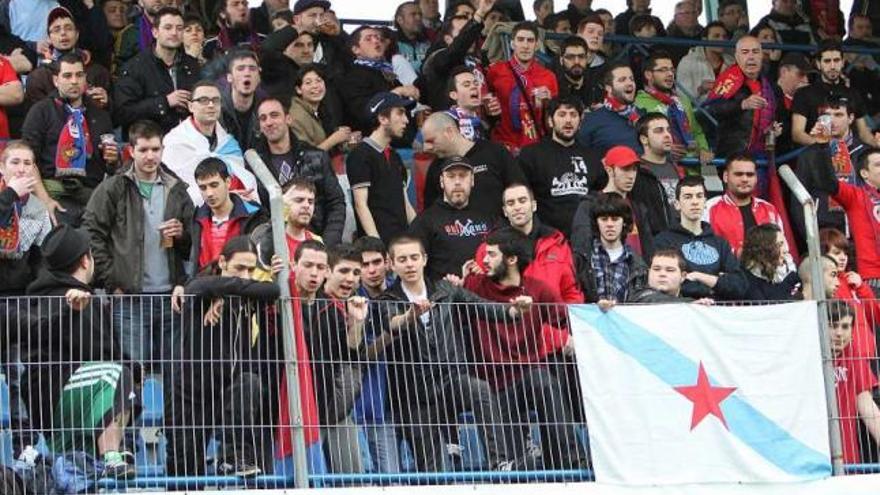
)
(515, 353)
(523, 86)
(738, 209)
(552, 259)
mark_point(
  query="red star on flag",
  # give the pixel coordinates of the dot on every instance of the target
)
(706, 398)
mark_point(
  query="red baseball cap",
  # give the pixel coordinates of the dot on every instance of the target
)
(620, 156)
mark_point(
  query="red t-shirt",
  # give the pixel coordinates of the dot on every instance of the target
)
(852, 376)
(7, 75)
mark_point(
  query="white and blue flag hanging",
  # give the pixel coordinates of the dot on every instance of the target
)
(682, 393)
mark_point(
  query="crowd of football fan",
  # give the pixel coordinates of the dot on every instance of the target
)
(563, 169)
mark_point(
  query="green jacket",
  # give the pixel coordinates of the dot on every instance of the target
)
(647, 103)
(115, 220)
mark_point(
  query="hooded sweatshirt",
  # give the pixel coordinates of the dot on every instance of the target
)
(706, 253)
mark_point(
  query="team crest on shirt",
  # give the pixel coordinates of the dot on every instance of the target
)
(466, 229)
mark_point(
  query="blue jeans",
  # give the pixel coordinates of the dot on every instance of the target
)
(147, 329)
(383, 447)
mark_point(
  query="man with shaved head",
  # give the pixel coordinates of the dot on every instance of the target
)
(494, 168)
(745, 105)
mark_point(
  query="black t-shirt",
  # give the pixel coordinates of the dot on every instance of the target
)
(451, 236)
(283, 167)
(385, 178)
(808, 99)
(494, 169)
(560, 177)
(748, 218)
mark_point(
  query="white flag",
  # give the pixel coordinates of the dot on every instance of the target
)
(683, 393)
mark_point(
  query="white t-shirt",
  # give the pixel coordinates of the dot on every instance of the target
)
(426, 316)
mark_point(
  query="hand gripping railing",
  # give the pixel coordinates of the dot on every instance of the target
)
(818, 288)
(300, 456)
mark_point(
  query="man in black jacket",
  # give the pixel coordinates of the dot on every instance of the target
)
(226, 379)
(560, 171)
(459, 37)
(72, 162)
(428, 380)
(369, 75)
(140, 222)
(451, 229)
(713, 270)
(330, 50)
(287, 158)
(72, 363)
(146, 88)
(239, 112)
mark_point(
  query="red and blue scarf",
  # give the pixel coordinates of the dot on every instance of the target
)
(74, 144)
(677, 115)
(627, 111)
(10, 236)
(729, 83)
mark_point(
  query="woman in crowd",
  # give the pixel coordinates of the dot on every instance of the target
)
(313, 120)
(854, 290)
(769, 267)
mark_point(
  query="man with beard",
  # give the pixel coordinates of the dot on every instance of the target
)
(552, 259)
(452, 229)
(831, 83)
(658, 174)
(377, 174)
(614, 123)
(239, 110)
(512, 355)
(560, 171)
(64, 132)
(737, 210)
(464, 91)
(234, 20)
(494, 168)
(523, 87)
(334, 333)
(712, 268)
(572, 73)
(659, 95)
(155, 85)
(289, 159)
(592, 30)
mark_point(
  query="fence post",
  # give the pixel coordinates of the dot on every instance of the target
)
(818, 285)
(276, 205)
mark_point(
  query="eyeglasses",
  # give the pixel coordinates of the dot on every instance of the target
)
(204, 100)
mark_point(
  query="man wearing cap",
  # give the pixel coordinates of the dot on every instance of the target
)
(63, 38)
(793, 71)
(310, 16)
(369, 74)
(376, 172)
(65, 132)
(449, 229)
(156, 84)
(622, 165)
(831, 82)
(494, 168)
(75, 367)
(261, 16)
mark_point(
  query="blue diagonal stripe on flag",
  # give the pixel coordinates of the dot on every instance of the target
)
(745, 422)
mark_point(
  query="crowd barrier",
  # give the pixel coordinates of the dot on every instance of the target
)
(477, 396)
